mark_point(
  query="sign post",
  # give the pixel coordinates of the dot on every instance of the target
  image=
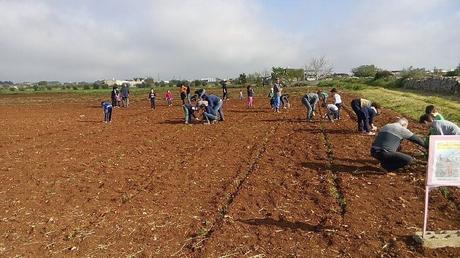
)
(443, 170)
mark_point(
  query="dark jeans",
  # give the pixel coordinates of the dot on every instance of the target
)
(391, 160)
(108, 115)
(152, 103)
(361, 115)
(339, 106)
(183, 96)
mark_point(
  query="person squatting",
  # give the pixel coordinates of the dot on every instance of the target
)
(209, 106)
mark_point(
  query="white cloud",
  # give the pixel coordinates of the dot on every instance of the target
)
(395, 34)
(175, 38)
(89, 40)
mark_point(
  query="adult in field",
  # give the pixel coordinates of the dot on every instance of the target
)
(183, 93)
(310, 101)
(188, 93)
(125, 95)
(214, 103)
(224, 90)
(365, 111)
(277, 88)
(387, 144)
(113, 96)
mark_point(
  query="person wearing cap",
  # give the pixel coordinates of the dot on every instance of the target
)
(365, 111)
(387, 144)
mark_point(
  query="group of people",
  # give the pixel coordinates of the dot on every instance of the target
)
(120, 98)
(203, 107)
(386, 147)
(311, 100)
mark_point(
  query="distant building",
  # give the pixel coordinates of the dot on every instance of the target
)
(209, 79)
(131, 83)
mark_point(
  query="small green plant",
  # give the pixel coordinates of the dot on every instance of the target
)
(445, 192)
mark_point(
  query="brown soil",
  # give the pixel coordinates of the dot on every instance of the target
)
(259, 183)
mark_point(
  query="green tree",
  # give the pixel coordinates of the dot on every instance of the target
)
(295, 74)
(242, 79)
(278, 72)
(384, 74)
(197, 83)
(414, 73)
(365, 71)
(43, 83)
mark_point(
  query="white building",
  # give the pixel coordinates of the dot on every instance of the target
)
(131, 83)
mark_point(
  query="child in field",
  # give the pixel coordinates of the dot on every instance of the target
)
(189, 110)
(183, 93)
(250, 96)
(119, 99)
(241, 95)
(285, 101)
(332, 112)
(152, 97)
(113, 96)
(431, 110)
(169, 98)
(107, 109)
(271, 96)
(337, 101)
(322, 97)
(209, 114)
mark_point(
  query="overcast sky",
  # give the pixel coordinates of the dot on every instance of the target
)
(86, 40)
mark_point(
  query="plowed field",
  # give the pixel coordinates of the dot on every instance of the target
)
(259, 183)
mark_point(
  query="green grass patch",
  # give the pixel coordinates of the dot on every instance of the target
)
(407, 102)
(413, 104)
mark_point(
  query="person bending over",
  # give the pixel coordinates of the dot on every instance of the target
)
(365, 111)
(309, 101)
(387, 144)
(438, 127)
